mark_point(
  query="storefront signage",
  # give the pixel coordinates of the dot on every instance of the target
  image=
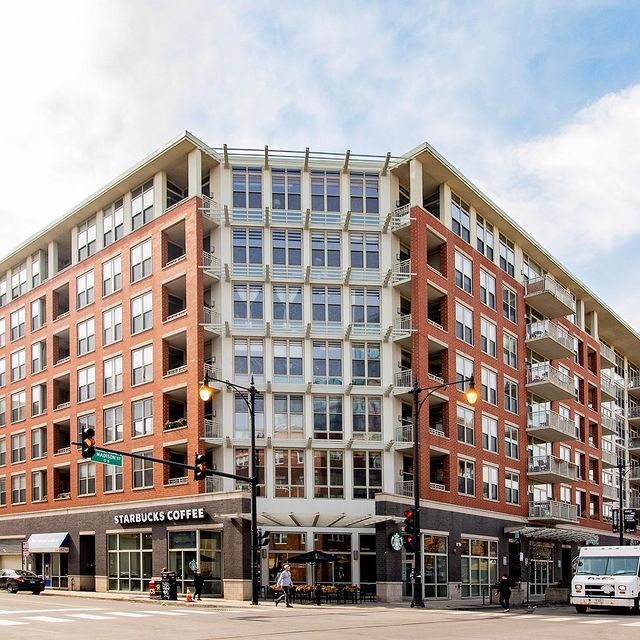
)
(160, 516)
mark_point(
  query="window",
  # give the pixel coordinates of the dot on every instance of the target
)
(18, 403)
(248, 359)
(289, 473)
(464, 370)
(38, 399)
(285, 190)
(19, 280)
(287, 361)
(112, 478)
(38, 268)
(326, 304)
(510, 349)
(3, 491)
(38, 314)
(18, 365)
(142, 414)
(111, 275)
(86, 478)
(86, 383)
(142, 365)
(86, 239)
(325, 249)
(141, 312)
(142, 205)
(248, 303)
(84, 289)
(510, 395)
(466, 477)
(288, 416)
(328, 473)
(18, 447)
(488, 337)
(242, 469)
(512, 487)
(86, 336)
(489, 434)
(141, 260)
(460, 218)
(364, 192)
(111, 325)
(327, 362)
(367, 474)
(507, 255)
(327, 418)
(465, 420)
(247, 188)
(511, 442)
(242, 420)
(365, 305)
(489, 482)
(365, 363)
(287, 304)
(143, 471)
(17, 324)
(3, 292)
(112, 424)
(464, 323)
(489, 386)
(112, 375)
(487, 289)
(365, 250)
(484, 235)
(286, 247)
(38, 443)
(113, 223)
(325, 191)
(18, 489)
(86, 421)
(509, 304)
(38, 486)
(463, 272)
(3, 452)
(3, 332)
(247, 246)
(3, 372)
(366, 417)
(3, 411)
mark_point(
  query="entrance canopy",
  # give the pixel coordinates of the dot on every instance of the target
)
(553, 534)
(295, 519)
(312, 557)
(48, 543)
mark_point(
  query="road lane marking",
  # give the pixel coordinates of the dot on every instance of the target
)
(168, 613)
(89, 616)
(47, 619)
(630, 624)
(594, 621)
(556, 619)
(127, 614)
(7, 623)
(15, 611)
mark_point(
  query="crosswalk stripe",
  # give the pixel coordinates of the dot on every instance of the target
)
(556, 619)
(88, 616)
(9, 623)
(169, 613)
(594, 621)
(202, 613)
(127, 614)
(46, 619)
(630, 624)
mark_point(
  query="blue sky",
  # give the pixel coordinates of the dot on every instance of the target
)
(538, 103)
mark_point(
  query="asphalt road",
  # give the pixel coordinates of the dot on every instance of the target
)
(51, 617)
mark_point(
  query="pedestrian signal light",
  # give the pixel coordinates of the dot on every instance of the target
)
(263, 538)
(88, 443)
(200, 467)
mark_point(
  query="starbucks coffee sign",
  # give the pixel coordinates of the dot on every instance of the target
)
(160, 516)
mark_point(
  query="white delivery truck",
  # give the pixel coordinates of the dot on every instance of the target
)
(607, 577)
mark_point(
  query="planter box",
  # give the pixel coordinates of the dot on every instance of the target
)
(557, 595)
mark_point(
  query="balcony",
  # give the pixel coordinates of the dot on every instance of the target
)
(549, 469)
(548, 297)
(607, 389)
(551, 427)
(633, 387)
(211, 266)
(551, 511)
(634, 445)
(401, 219)
(548, 382)
(635, 503)
(402, 329)
(401, 277)
(609, 493)
(549, 339)
(405, 488)
(608, 423)
(609, 459)
(634, 475)
(404, 436)
(211, 210)
(212, 484)
(633, 415)
(212, 322)
(607, 357)
(403, 381)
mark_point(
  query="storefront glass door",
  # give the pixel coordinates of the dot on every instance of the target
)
(202, 550)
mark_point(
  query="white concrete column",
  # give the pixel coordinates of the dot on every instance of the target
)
(52, 253)
(30, 272)
(445, 204)
(100, 230)
(305, 191)
(126, 213)
(195, 173)
(415, 181)
(74, 245)
(595, 332)
(266, 189)
(159, 194)
(345, 193)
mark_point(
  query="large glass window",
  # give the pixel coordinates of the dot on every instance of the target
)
(436, 576)
(479, 560)
(466, 477)
(143, 471)
(202, 547)
(325, 249)
(248, 359)
(328, 473)
(38, 442)
(38, 399)
(17, 324)
(141, 312)
(111, 325)
(84, 289)
(288, 416)
(112, 423)
(142, 365)
(365, 250)
(130, 561)
(18, 365)
(287, 305)
(18, 489)
(509, 308)
(112, 478)
(112, 375)
(242, 468)
(488, 337)
(460, 218)
(367, 474)
(38, 356)
(113, 223)
(366, 414)
(484, 237)
(86, 239)
(18, 447)
(489, 434)
(286, 247)
(247, 188)
(247, 246)
(507, 255)
(38, 313)
(327, 362)
(289, 473)
(327, 417)
(464, 271)
(365, 363)
(18, 404)
(489, 385)
(86, 478)
(287, 361)
(141, 260)
(142, 412)
(86, 332)
(464, 323)
(465, 420)
(326, 304)
(111, 275)
(242, 418)
(365, 305)
(142, 205)
(489, 482)
(325, 191)
(248, 304)
(19, 280)
(364, 192)
(285, 189)
(86, 383)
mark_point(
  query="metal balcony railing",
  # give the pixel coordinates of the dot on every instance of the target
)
(211, 264)
(212, 429)
(404, 488)
(551, 509)
(211, 209)
(212, 318)
(404, 433)
(401, 217)
(545, 328)
(546, 284)
(401, 271)
(542, 420)
(544, 372)
(403, 378)
(607, 386)
(212, 484)
(402, 326)
(607, 354)
(552, 465)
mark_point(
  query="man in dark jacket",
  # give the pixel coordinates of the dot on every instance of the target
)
(503, 587)
(198, 583)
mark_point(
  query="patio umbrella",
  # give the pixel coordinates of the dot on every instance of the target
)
(312, 557)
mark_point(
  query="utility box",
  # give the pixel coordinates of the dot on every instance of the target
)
(169, 585)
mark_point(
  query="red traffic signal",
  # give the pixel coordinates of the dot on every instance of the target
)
(409, 530)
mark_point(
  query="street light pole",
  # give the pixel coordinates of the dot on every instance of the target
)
(471, 395)
(621, 503)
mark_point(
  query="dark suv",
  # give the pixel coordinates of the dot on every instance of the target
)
(14, 580)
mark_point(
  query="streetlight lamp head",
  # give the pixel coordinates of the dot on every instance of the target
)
(205, 391)
(471, 393)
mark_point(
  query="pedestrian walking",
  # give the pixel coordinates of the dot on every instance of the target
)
(198, 584)
(284, 582)
(503, 587)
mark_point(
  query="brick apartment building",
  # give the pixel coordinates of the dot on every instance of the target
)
(335, 280)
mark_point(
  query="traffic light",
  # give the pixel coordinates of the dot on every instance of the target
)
(200, 472)
(409, 529)
(88, 443)
(263, 538)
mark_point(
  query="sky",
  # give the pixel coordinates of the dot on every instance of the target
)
(536, 102)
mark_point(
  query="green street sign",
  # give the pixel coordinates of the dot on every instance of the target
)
(106, 457)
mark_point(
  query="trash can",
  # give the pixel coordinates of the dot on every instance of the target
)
(169, 585)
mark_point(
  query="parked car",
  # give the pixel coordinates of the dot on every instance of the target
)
(14, 580)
